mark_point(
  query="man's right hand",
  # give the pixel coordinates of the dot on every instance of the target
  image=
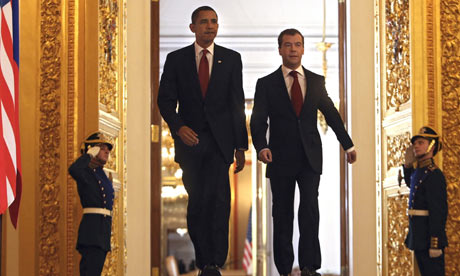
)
(409, 157)
(188, 136)
(265, 156)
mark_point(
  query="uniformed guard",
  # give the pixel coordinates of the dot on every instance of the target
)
(427, 202)
(96, 196)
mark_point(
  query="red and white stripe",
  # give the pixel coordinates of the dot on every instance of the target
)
(247, 257)
(10, 161)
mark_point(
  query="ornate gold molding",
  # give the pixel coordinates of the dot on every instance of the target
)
(50, 123)
(450, 79)
(110, 265)
(396, 148)
(430, 66)
(108, 54)
(70, 202)
(397, 53)
(399, 257)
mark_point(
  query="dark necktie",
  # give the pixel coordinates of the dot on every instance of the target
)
(203, 73)
(296, 94)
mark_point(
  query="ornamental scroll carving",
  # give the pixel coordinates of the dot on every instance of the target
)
(396, 149)
(113, 160)
(450, 78)
(49, 143)
(397, 53)
(399, 257)
(108, 54)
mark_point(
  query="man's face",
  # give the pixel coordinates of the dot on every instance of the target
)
(420, 147)
(205, 28)
(291, 51)
(103, 154)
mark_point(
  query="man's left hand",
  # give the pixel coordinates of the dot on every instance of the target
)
(434, 253)
(240, 160)
(351, 156)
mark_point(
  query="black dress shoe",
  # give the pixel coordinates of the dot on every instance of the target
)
(211, 270)
(309, 272)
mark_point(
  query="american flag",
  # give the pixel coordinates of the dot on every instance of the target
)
(10, 154)
(247, 255)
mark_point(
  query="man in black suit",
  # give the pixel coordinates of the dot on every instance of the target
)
(208, 128)
(294, 151)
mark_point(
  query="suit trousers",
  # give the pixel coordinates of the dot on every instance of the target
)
(92, 260)
(283, 189)
(429, 266)
(205, 177)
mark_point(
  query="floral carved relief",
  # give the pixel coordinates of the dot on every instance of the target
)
(450, 83)
(397, 53)
(396, 148)
(108, 54)
(50, 140)
(399, 257)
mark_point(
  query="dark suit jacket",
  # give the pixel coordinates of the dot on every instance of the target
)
(271, 101)
(221, 111)
(95, 229)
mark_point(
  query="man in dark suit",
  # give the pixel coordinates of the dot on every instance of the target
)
(290, 98)
(96, 196)
(208, 128)
(427, 203)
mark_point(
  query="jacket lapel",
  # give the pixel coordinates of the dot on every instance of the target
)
(311, 93)
(283, 92)
(191, 63)
(216, 69)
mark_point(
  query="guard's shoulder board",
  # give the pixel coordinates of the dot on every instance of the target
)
(432, 167)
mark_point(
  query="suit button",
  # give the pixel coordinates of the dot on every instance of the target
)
(105, 202)
(102, 188)
(103, 195)
(420, 181)
(99, 182)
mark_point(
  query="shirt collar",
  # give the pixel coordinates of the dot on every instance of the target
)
(198, 49)
(286, 71)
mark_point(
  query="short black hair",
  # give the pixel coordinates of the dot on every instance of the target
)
(198, 10)
(289, 32)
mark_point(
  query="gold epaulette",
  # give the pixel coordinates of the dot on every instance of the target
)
(434, 242)
(433, 167)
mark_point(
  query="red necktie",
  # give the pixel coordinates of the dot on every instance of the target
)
(296, 94)
(203, 73)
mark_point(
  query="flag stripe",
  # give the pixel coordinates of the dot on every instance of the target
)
(10, 158)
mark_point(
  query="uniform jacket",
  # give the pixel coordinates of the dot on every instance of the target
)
(221, 111)
(428, 192)
(272, 102)
(95, 190)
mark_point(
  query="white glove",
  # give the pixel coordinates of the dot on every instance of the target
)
(93, 151)
(409, 157)
(434, 253)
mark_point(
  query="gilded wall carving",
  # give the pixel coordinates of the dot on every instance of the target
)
(399, 257)
(108, 54)
(50, 140)
(110, 265)
(397, 53)
(450, 79)
(396, 148)
(113, 160)
(71, 194)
